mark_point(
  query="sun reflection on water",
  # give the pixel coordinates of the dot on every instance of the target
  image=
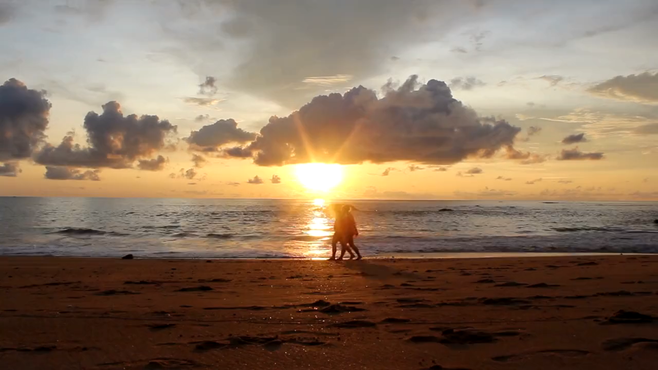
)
(320, 229)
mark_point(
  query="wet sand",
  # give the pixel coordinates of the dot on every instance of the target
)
(585, 312)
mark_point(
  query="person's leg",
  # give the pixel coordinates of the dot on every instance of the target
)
(343, 248)
(334, 241)
(350, 242)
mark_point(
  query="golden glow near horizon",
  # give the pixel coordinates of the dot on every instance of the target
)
(318, 202)
(319, 176)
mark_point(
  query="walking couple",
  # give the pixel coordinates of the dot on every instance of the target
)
(344, 232)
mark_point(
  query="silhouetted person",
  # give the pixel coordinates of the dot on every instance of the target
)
(339, 234)
(349, 231)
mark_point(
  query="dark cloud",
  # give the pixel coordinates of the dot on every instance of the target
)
(471, 172)
(419, 123)
(553, 80)
(648, 129)
(369, 32)
(532, 182)
(465, 83)
(189, 174)
(275, 179)
(23, 120)
(222, 132)
(575, 138)
(533, 130)
(523, 157)
(201, 101)
(208, 86)
(6, 12)
(575, 155)
(238, 152)
(459, 49)
(155, 164)
(503, 178)
(256, 180)
(114, 141)
(440, 169)
(641, 88)
(68, 173)
(201, 118)
(9, 169)
(388, 171)
(414, 168)
(198, 160)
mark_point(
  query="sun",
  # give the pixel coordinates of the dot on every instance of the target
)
(319, 176)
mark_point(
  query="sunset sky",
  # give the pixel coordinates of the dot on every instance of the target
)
(552, 99)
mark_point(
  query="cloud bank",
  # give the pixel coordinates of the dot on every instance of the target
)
(641, 88)
(67, 173)
(114, 141)
(210, 137)
(415, 122)
(575, 138)
(576, 155)
(23, 120)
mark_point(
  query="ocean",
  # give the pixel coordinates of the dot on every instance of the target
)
(239, 228)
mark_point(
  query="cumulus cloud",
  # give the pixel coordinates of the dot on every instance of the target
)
(23, 120)
(648, 129)
(222, 132)
(523, 157)
(533, 130)
(198, 160)
(532, 182)
(9, 169)
(275, 179)
(414, 168)
(68, 173)
(415, 122)
(256, 180)
(575, 138)
(553, 80)
(465, 83)
(641, 88)
(575, 154)
(155, 164)
(114, 141)
(208, 86)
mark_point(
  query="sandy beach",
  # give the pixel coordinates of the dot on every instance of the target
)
(580, 312)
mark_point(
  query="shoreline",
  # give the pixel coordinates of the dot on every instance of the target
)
(568, 312)
(398, 256)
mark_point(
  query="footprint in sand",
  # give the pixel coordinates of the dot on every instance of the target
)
(557, 352)
(354, 324)
(629, 317)
(620, 344)
(201, 288)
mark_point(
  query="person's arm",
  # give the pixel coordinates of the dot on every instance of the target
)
(353, 222)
